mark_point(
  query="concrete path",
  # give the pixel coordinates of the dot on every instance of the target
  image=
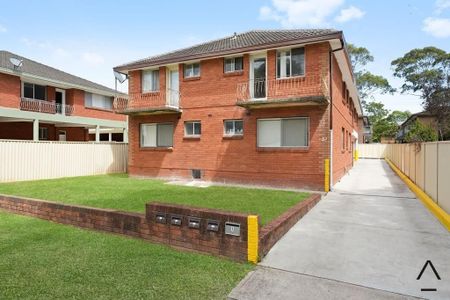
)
(368, 239)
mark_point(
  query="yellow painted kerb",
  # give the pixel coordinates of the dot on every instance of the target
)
(327, 176)
(440, 214)
(252, 239)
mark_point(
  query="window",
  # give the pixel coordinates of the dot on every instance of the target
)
(43, 133)
(291, 62)
(98, 101)
(233, 127)
(192, 128)
(343, 139)
(292, 132)
(346, 140)
(34, 91)
(157, 135)
(150, 81)
(349, 141)
(191, 70)
(233, 64)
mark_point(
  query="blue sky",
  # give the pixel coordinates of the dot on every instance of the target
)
(88, 38)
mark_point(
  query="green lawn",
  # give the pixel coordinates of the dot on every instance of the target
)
(44, 260)
(130, 194)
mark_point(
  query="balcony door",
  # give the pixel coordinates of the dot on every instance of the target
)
(173, 87)
(60, 101)
(257, 83)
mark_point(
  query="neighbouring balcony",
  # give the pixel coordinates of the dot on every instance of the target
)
(148, 103)
(42, 106)
(307, 90)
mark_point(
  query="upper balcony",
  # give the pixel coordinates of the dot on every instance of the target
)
(42, 106)
(149, 103)
(296, 91)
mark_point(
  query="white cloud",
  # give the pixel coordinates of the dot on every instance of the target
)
(437, 27)
(442, 5)
(93, 58)
(350, 13)
(307, 13)
(3, 28)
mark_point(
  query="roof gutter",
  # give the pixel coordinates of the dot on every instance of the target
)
(138, 65)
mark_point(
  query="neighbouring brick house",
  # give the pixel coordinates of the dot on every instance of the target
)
(263, 107)
(38, 102)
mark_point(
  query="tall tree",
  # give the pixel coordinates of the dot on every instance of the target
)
(427, 72)
(384, 123)
(366, 82)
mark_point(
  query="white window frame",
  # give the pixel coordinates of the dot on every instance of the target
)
(290, 65)
(34, 90)
(98, 107)
(281, 133)
(192, 123)
(156, 137)
(43, 133)
(234, 127)
(233, 65)
(191, 66)
(152, 88)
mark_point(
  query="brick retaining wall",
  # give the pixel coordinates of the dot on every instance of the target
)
(175, 225)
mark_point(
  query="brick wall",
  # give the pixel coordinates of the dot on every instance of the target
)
(211, 98)
(144, 225)
(343, 117)
(10, 91)
(24, 131)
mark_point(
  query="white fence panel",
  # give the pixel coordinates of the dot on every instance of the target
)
(431, 170)
(28, 160)
(444, 176)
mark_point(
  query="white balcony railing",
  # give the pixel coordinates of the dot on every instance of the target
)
(258, 89)
(153, 100)
(42, 106)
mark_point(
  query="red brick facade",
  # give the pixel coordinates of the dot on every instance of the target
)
(211, 99)
(10, 95)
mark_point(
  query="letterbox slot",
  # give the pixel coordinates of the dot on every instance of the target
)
(160, 218)
(194, 223)
(213, 225)
(232, 228)
(175, 220)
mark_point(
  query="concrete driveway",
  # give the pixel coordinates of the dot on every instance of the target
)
(368, 239)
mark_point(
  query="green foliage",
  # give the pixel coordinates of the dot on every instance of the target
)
(427, 72)
(384, 123)
(44, 260)
(131, 194)
(419, 132)
(366, 82)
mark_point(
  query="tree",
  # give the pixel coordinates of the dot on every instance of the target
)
(384, 123)
(420, 133)
(427, 71)
(366, 82)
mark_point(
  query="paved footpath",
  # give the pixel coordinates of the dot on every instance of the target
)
(368, 239)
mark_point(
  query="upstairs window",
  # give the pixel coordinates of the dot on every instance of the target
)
(34, 91)
(43, 133)
(291, 62)
(98, 101)
(191, 70)
(233, 64)
(157, 135)
(233, 127)
(150, 81)
(192, 129)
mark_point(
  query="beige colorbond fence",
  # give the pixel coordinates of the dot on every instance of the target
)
(371, 150)
(28, 160)
(426, 164)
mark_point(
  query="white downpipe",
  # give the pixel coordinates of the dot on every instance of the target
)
(331, 160)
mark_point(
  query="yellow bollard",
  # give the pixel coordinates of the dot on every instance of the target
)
(327, 176)
(252, 239)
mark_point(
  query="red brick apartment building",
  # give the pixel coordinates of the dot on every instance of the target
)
(38, 102)
(266, 107)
